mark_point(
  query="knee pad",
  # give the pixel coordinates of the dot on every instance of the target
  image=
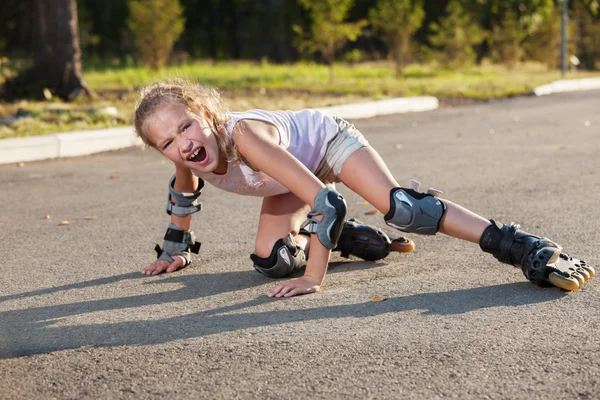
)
(414, 212)
(286, 257)
(332, 206)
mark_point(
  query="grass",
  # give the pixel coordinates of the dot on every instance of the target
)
(262, 85)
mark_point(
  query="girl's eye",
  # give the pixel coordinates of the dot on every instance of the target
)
(167, 144)
(186, 126)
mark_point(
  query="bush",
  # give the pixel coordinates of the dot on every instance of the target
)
(455, 36)
(156, 25)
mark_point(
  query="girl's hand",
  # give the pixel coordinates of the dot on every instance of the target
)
(303, 285)
(163, 265)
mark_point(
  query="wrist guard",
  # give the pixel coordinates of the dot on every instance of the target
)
(185, 204)
(177, 243)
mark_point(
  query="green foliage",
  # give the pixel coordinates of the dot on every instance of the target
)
(587, 34)
(395, 21)
(156, 24)
(544, 42)
(507, 39)
(328, 31)
(592, 5)
(353, 57)
(455, 37)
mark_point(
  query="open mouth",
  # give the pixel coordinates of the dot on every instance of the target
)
(199, 155)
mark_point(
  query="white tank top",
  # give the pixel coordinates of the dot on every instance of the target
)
(305, 134)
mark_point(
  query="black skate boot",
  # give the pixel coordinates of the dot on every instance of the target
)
(368, 242)
(540, 259)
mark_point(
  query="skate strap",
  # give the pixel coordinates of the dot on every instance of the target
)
(181, 236)
(506, 242)
(177, 243)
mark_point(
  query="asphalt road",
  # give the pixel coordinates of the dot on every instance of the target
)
(77, 320)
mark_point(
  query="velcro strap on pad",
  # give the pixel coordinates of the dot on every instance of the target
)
(185, 204)
(178, 243)
(506, 242)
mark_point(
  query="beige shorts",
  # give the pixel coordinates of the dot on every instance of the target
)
(347, 141)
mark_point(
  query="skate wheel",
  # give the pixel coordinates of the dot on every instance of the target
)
(578, 276)
(563, 282)
(402, 245)
(584, 273)
(589, 270)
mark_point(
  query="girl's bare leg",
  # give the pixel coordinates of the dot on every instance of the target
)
(279, 216)
(540, 259)
(366, 174)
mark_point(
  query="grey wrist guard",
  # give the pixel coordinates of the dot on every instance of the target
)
(177, 243)
(332, 206)
(185, 204)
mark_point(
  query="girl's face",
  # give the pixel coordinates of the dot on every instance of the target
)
(186, 139)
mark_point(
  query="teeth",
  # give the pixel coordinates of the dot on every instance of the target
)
(195, 154)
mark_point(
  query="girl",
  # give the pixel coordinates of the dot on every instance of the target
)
(289, 158)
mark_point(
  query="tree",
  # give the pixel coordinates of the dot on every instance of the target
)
(156, 24)
(587, 33)
(544, 42)
(455, 35)
(396, 21)
(328, 32)
(56, 54)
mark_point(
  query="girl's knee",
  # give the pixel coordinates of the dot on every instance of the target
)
(281, 259)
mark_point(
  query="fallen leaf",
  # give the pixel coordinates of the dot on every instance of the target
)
(372, 212)
(516, 118)
(64, 223)
(562, 147)
(378, 299)
(365, 202)
(114, 177)
(21, 164)
(46, 216)
(399, 146)
(90, 217)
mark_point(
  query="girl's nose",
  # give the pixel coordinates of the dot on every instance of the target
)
(185, 145)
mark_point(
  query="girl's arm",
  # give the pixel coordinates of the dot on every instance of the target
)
(185, 182)
(258, 143)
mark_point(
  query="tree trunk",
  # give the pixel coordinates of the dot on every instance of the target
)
(331, 73)
(56, 52)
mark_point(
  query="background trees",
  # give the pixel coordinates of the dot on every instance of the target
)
(156, 26)
(56, 55)
(455, 32)
(328, 32)
(395, 21)
(454, 38)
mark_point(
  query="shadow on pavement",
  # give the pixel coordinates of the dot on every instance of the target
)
(30, 331)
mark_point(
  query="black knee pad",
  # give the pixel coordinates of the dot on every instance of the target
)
(286, 257)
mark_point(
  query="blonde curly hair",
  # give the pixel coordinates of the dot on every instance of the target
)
(198, 99)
